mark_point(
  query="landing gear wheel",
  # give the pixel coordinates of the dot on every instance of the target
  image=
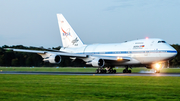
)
(101, 71)
(129, 71)
(126, 70)
(105, 71)
(111, 71)
(97, 70)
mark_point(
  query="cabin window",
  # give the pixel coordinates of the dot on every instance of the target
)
(161, 41)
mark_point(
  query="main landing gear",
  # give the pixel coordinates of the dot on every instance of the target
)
(126, 70)
(111, 70)
(105, 70)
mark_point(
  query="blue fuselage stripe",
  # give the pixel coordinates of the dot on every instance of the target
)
(130, 52)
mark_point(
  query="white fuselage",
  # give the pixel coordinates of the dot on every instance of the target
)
(144, 51)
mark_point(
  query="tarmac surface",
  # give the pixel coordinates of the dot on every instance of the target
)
(90, 73)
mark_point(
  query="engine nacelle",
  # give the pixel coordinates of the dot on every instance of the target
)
(97, 62)
(53, 59)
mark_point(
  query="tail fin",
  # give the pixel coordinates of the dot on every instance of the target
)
(68, 36)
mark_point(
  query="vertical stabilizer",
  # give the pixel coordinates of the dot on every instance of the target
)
(68, 36)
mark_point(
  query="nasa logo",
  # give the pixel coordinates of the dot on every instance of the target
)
(65, 33)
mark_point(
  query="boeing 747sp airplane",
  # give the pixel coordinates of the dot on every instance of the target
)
(151, 53)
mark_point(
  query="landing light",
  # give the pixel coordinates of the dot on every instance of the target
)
(147, 38)
(158, 66)
(119, 58)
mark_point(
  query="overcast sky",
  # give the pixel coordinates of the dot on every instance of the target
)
(34, 22)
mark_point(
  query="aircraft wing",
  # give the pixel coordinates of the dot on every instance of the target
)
(51, 52)
(47, 54)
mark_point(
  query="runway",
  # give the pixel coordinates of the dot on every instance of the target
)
(90, 73)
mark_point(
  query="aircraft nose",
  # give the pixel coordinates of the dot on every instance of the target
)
(174, 53)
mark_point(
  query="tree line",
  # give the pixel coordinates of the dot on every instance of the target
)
(10, 58)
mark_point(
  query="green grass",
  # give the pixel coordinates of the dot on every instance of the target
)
(81, 69)
(88, 88)
(49, 69)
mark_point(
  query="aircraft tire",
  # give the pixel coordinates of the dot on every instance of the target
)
(102, 71)
(97, 71)
(129, 71)
(124, 71)
(105, 71)
(114, 71)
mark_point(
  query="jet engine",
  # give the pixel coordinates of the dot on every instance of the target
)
(53, 59)
(97, 62)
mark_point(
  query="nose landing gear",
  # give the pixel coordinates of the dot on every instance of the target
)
(157, 71)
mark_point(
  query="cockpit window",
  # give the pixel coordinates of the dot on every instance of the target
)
(161, 41)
